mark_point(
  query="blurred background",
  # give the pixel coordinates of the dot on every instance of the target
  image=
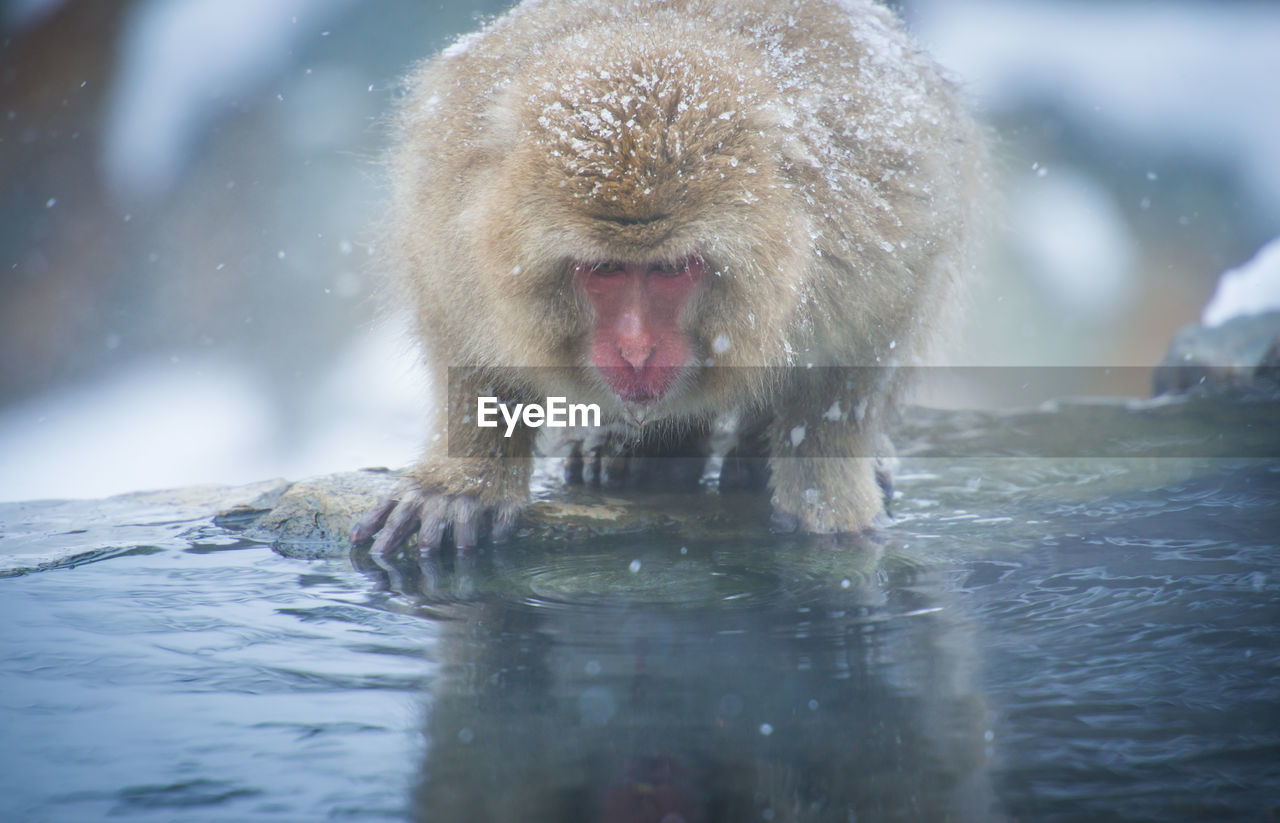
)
(187, 281)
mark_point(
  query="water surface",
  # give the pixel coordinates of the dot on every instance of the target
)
(1032, 639)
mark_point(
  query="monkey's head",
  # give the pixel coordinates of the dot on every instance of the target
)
(642, 193)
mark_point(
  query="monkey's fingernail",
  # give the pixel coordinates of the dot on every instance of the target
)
(368, 525)
(783, 523)
(364, 532)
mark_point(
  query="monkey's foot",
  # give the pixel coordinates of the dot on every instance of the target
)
(440, 519)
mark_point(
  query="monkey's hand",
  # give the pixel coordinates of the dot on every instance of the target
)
(454, 506)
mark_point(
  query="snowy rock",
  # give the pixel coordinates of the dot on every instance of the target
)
(1253, 288)
(1244, 351)
(1238, 341)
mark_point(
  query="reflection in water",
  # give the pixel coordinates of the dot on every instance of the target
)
(699, 684)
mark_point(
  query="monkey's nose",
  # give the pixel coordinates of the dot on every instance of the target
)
(636, 355)
(635, 342)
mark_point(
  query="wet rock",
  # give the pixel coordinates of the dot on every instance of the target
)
(1244, 351)
(314, 518)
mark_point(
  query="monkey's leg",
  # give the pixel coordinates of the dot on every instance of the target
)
(828, 462)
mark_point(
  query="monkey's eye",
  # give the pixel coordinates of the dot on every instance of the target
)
(606, 269)
(670, 269)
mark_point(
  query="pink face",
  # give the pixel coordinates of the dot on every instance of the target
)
(637, 345)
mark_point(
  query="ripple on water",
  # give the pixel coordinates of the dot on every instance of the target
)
(615, 578)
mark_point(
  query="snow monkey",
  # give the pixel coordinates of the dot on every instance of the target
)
(674, 210)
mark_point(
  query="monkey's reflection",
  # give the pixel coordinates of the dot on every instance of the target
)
(851, 700)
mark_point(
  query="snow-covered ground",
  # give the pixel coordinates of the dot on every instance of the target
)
(171, 423)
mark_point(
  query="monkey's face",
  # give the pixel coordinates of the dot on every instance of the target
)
(637, 344)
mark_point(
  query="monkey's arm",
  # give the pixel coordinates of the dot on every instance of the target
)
(470, 476)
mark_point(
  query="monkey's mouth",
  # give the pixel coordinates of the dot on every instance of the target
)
(640, 398)
(640, 386)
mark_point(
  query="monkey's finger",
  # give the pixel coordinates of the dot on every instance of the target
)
(434, 520)
(431, 534)
(504, 523)
(466, 532)
(465, 514)
(402, 521)
(367, 526)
